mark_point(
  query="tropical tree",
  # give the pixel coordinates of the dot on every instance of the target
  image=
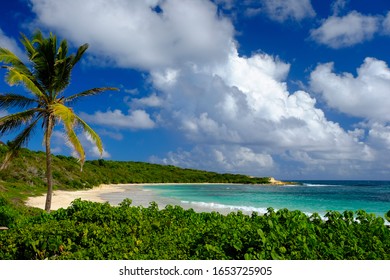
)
(45, 75)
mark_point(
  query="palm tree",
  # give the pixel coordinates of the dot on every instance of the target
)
(45, 76)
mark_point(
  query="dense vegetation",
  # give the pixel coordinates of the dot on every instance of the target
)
(88, 230)
(26, 174)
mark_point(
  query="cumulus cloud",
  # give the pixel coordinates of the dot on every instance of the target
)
(136, 33)
(366, 95)
(10, 44)
(136, 119)
(244, 105)
(386, 24)
(282, 10)
(90, 147)
(338, 6)
(379, 136)
(150, 101)
(229, 158)
(236, 112)
(339, 32)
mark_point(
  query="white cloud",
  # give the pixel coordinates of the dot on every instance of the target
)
(236, 112)
(244, 105)
(226, 158)
(386, 24)
(91, 148)
(150, 101)
(366, 95)
(10, 44)
(137, 119)
(282, 10)
(379, 136)
(114, 135)
(133, 91)
(338, 32)
(338, 6)
(133, 34)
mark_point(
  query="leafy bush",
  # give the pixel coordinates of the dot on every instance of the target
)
(88, 230)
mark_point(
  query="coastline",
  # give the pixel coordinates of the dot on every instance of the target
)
(141, 196)
(116, 193)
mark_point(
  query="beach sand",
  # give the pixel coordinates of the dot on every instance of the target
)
(115, 194)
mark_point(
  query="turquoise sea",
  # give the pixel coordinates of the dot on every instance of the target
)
(309, 196)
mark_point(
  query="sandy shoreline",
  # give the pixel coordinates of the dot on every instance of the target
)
(115, 194)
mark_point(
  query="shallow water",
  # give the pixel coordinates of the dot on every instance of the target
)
(310, 197)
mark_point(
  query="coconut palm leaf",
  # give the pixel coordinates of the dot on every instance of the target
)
(9, 100)
(80, 51)
(94, 136)
(28, 45)
(15, 77)
(15, 121)
(20, 140)
(68, 118)
(9, 57)
(90, 92)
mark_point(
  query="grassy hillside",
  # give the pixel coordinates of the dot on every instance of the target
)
(26, 174)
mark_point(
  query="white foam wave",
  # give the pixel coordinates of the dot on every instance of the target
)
(318, 185)
(216, 206)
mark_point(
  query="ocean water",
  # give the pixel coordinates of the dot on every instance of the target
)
(309, 197)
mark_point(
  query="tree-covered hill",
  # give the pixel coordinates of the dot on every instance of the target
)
(26, 174)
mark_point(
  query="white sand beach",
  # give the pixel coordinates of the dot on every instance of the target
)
(115, 194)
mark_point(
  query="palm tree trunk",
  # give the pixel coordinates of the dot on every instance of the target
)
(49, 175)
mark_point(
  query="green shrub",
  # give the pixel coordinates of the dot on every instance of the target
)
(88, 230)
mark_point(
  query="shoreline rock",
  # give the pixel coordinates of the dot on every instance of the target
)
(273, 181)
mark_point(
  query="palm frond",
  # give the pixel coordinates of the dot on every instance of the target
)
(65, 114)
(76, 144)
(68, 117)
(9, 100)
(80, 51)
(28, 45)
(43, 61)
(15, 77)
(20, 140)
(94, 136)
(8, 57)
(14, 121)
(18, 72)
(37, 38)
(90, 92)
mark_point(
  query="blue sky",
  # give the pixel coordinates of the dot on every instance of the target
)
(295, 89)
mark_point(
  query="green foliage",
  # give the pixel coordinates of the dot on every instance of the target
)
(8, 215)
(88, 230)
